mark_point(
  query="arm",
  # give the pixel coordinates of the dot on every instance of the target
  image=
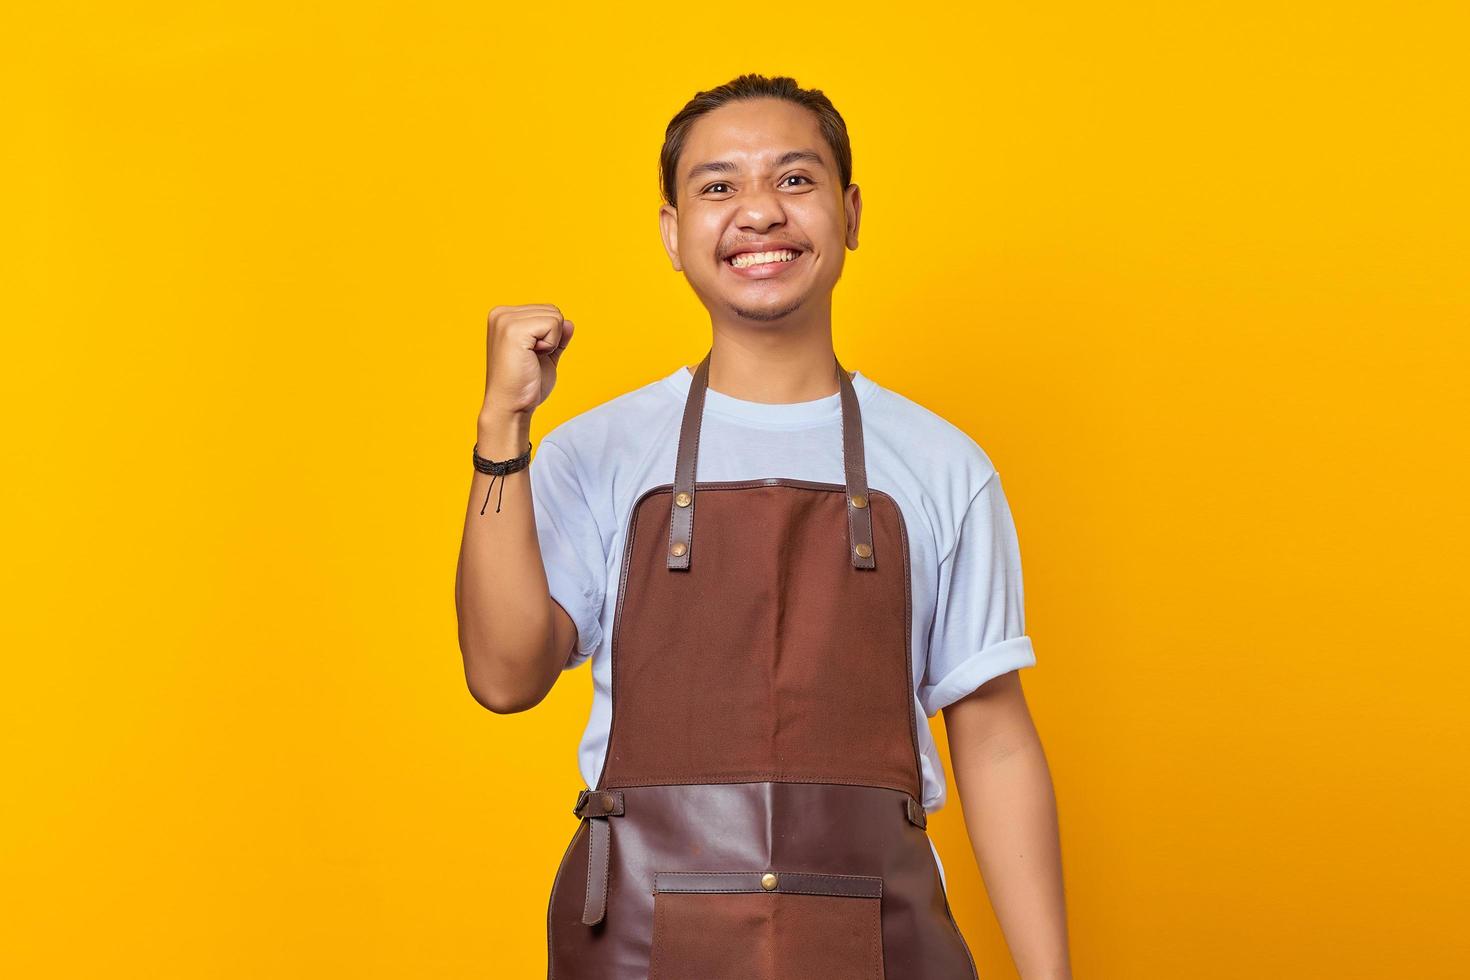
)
(513, 637)
(1010, 813)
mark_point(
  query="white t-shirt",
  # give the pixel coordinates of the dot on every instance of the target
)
(968, 616)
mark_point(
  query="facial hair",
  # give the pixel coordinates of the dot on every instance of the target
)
(764, 315)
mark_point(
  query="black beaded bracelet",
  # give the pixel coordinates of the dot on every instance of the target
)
(499, 468)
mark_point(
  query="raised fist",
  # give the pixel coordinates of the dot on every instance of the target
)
(524, 345)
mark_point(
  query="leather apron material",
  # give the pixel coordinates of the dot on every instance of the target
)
(758, 812)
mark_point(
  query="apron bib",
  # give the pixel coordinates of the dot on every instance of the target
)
(758, 812)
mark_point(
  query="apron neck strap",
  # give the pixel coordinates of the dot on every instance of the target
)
(859, 515)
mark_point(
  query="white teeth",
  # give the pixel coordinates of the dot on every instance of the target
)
(745, 259)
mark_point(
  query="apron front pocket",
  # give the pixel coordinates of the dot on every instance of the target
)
(766, 925)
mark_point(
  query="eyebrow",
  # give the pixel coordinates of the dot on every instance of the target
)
(727, 167)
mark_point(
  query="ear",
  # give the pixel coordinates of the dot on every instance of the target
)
(668, 227)
(852, 204)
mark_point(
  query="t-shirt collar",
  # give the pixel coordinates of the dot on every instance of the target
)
(771, 414)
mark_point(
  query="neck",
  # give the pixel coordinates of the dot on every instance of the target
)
(773, 364)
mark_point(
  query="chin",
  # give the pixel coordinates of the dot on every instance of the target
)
(767, 313)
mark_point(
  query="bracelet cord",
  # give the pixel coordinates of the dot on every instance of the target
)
(498, 468)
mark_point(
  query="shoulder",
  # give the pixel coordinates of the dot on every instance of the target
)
(949, 460)
(622, 421)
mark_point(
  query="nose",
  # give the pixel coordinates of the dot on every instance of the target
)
(761, 210)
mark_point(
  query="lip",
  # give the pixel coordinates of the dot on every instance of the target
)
(768, 270)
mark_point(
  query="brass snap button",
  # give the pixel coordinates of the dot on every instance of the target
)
(768, 881)
(863, 551)
(679, 548)
(859, 501)
(683, 499)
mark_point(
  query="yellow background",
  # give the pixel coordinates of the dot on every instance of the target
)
(1194, 275)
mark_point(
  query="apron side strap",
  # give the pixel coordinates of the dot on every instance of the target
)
(599, 853)
(916, 814)
(596, 806)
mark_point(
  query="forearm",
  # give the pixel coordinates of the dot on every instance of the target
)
(504, 610)
(1010, 813)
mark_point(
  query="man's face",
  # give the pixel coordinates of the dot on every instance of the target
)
(757, 176)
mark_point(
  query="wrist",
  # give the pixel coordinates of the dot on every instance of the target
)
(502, 435)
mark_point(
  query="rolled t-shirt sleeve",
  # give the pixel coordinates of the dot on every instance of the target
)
(571, 546)
(979, 629)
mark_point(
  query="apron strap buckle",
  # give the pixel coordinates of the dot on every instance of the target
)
(596, 806)
(598, 803)
(916, 814)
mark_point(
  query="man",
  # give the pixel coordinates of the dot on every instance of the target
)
(779, 570)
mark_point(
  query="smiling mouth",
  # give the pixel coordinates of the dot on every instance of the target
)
(749, 260)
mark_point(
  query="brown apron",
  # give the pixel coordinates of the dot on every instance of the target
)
(758, 812)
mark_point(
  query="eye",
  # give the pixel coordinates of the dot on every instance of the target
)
(718, 183)
(801, 177)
